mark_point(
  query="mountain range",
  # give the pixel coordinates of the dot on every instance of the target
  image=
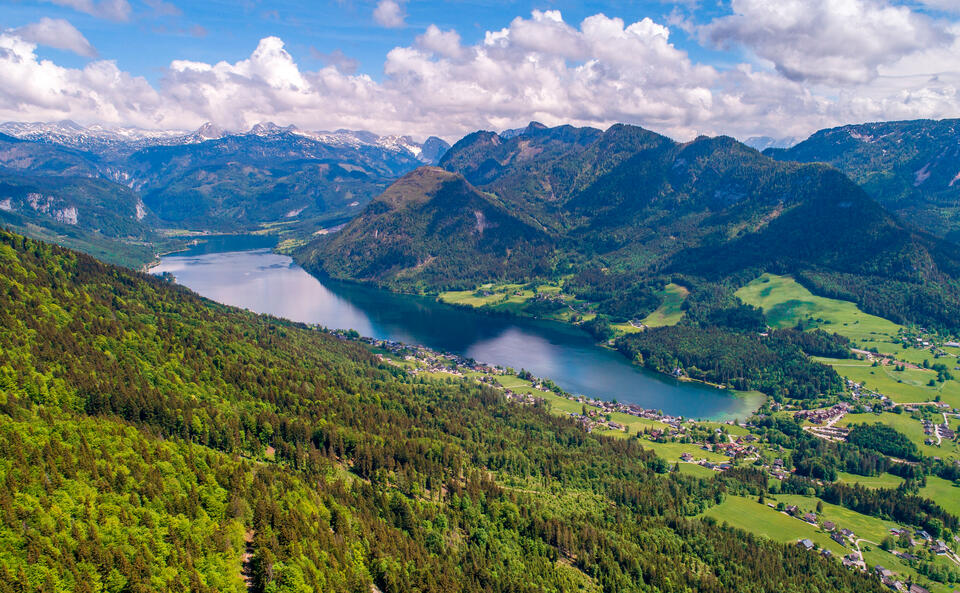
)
(910, 167)
(207, 180)
(624, 205)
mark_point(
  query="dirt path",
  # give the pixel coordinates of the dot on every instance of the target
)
(246, 567)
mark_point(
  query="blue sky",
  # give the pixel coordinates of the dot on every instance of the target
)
(217, 30)
(743, 67)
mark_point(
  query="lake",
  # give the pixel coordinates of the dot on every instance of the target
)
(228, 271)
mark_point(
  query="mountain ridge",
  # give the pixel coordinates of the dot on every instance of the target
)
(638, 204)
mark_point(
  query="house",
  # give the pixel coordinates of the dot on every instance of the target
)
(883, 572)
(686, 457)
(847, 533)
(837, 538)
(914, 588)
(826, 553)
(940, 548)
(806, 543)
(810, 518)
(792, 509)
(829, 526)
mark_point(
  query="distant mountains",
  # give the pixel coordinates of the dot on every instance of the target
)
(619, 206)
(911, 167)
(210, 179)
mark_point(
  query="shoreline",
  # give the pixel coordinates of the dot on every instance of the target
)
(484, 310)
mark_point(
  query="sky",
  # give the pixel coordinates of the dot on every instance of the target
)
(778, 68)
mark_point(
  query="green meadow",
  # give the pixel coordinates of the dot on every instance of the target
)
(864, 526)
(910, 427)
(906, 386)
(945, 493)
(881, 481)
(750, 515)
(670, 310)
(785, 303)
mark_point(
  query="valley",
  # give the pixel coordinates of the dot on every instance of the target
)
(715, 339)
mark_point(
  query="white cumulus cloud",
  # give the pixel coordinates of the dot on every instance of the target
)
(597, 72)
(390, 13)
(835, 41)
(56, 33)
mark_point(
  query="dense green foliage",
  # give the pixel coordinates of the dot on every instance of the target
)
(433, 229)
(145, 431)
(908, 166)
(769, 364)
(625, 211)
(883, 439)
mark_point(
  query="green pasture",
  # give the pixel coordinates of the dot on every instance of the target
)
(670, 310)
(785, 303)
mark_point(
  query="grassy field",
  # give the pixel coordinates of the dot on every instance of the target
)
(881, 481)
(911, 428)
(692, 469)
(785, 302)
(672, 451)
(907, 386)
(670, 311)
(946, 494)
(864, 526)
(749, 515)
(512, 298)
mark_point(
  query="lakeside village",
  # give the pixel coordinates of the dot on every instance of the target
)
(595, 414)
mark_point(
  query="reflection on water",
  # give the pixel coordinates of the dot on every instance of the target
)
(265, 282)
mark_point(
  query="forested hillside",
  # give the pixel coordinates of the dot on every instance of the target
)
(148, 434)
(432, 228)
(910, 167)
(630, 209)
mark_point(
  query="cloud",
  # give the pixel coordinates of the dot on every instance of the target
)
(833, 41)
(598, 72)
(114, 10)
(161, 8)
(337, 59)
(444, 43)
(390, 14)
(56, 33)
(99, 92)
(949, 6)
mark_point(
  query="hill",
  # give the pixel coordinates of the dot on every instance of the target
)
(153, 440)
(910, 167)
(626, 211)
(433, 228)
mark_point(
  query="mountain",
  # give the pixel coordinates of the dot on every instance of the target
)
(764, 142)
(123, 141)
(623, 206)
(210, 179)
(910, 167)
(237, 182)
(60, 194)
(432, 228)
(152, 440)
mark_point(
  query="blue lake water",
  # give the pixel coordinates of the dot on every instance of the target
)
(265, 282)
